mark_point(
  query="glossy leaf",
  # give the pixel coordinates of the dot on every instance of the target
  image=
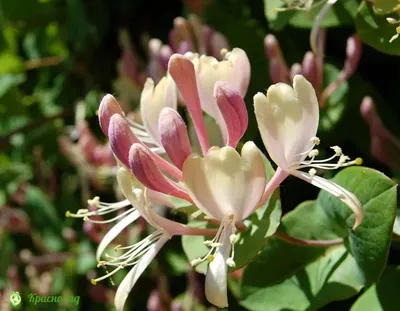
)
(310, 277)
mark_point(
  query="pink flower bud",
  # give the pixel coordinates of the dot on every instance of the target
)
(121, 138)
(147, 172)
(310, 69)
(174, 136)
(353, 55)
(233, 110)
(278, 69)
(182, 71)
(108, 107)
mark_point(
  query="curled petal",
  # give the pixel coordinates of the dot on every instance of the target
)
(216, 278)
(288, 120)
(153, 100)
(130, 280)
(225, 182)
(146, 171)
(183, 72)
(121, 138)
(344, 195)
(233, 110)
(108, 107)
(174, 136)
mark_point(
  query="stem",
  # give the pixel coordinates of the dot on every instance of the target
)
(304, 242)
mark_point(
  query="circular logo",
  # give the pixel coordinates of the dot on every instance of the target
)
(15, 299)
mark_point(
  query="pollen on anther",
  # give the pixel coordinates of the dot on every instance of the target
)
(93, 281)
(210, 258)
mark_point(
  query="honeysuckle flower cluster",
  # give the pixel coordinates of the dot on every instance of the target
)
(312, 66)
(225, 185)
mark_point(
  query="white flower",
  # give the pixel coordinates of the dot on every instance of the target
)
(288, 121)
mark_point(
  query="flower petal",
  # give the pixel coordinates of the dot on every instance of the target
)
(129, 281)
(153, 100)
(288, 120)
(114, 231)
(183, 72)
(226, 182)
(344, 195)
(216, 277)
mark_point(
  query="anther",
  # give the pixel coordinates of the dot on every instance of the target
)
(230, 263)
(338, 150)
(343, 158)
(233, 238)
(224, 52)
(101, 263)
(210, 258)
(312, 171)
(93, 281)
(195, 262)
(94, 202)
(315, 140)
(313, 153)
(67, 214)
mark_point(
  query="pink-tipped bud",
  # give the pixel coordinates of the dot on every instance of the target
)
(121, 138)
(296, 69)
(278, 68)
(146, 171)
(233, 110)
(184, 47)
(367, 109)
(174, 136)
(182, 71)
(310, 69)
(165, 54)
(353, 55)
(182, 31)
(108, 107)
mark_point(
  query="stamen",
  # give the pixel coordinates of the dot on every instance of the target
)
(315, 140)
(216, 242)
(313, 164)
(129, 258)
(101, 208)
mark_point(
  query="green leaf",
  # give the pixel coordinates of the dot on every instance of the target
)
(260, 225)
(336, 103)
(276, 20)
(9, 81)
(310, 277)
(375, 31)
(40, 209)
(382, 296)
(341, 13)
(384, 7)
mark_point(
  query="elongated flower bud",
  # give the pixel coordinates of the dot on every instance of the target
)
(108, 107)
(174, 136)
(147, 172)
(233, 110)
